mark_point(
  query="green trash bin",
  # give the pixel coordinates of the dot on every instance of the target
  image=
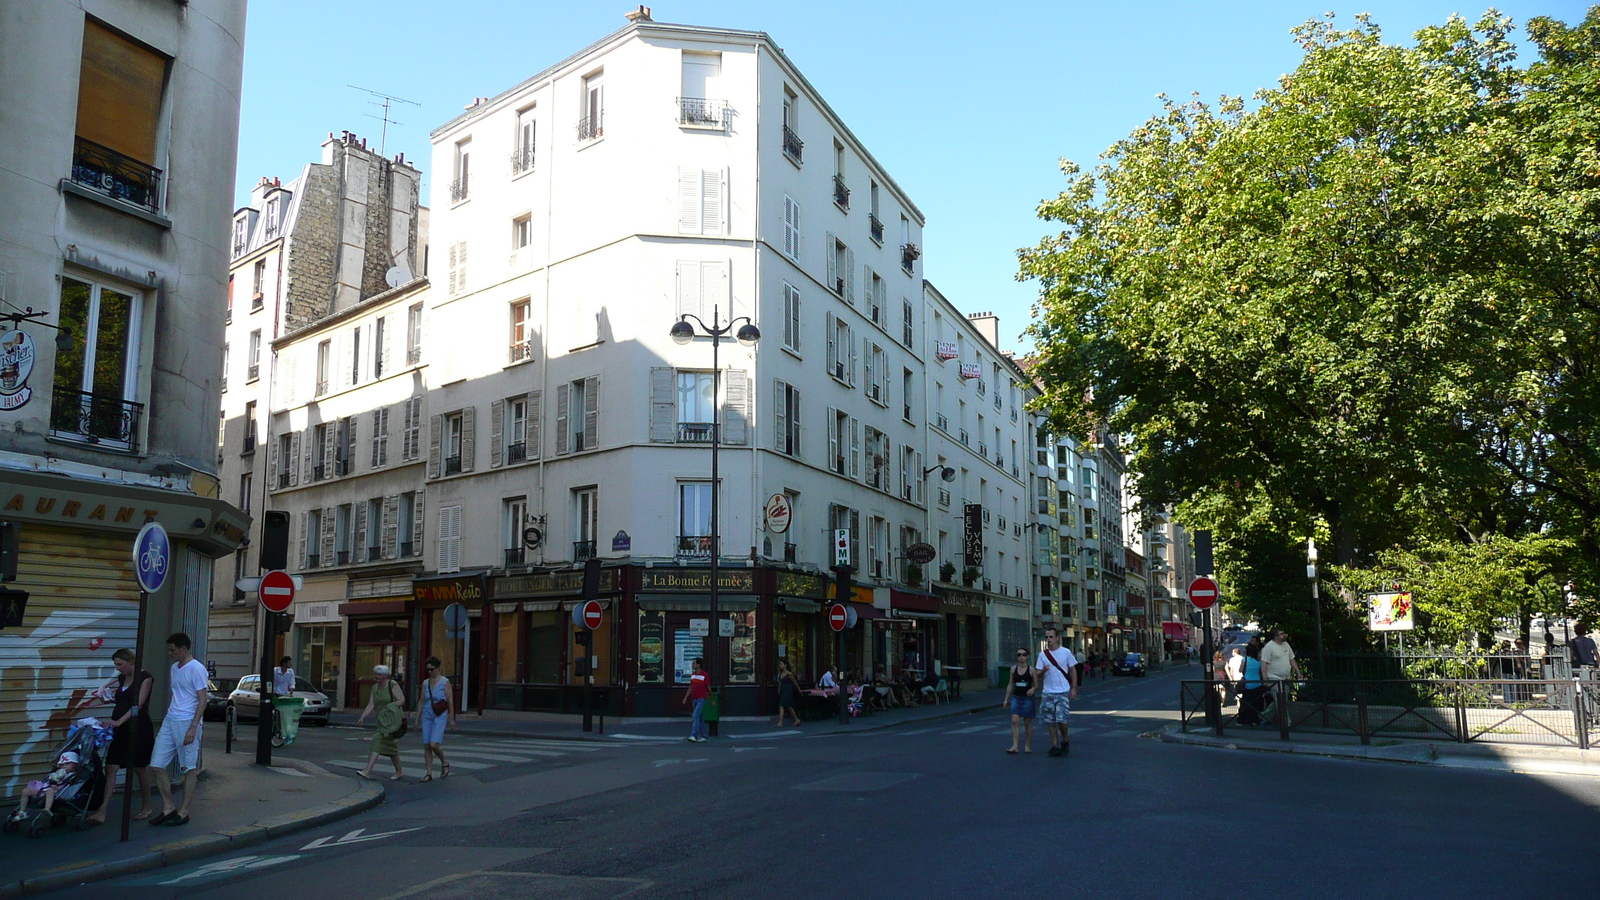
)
(713, 708)
(288, 726)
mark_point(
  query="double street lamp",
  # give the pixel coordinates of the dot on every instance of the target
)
(748, 334)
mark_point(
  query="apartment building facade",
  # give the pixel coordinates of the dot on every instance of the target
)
(112, 292)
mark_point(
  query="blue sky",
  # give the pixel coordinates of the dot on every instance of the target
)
(968, 105)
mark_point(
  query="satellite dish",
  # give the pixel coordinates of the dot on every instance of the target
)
(395, 277)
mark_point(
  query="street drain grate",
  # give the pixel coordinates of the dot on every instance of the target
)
(851, 782)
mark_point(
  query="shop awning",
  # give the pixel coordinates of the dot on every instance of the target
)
(867, 612)
(1175, 631)
(914, 614)
(920, 602)
(796, 605)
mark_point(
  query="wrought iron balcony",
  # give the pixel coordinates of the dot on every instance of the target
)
(517, 452)
(909, 253)
(95, 418)
(582, 551)
(343, 557)
(694, 432)
(694, 546)
(413, 355)
(838, 285)
(515, 556)
(941, 420)
(452, 465)
(318, 472)
(374, 554)
(283, 480)
(591, 127)
(252, 373)
(964, 437)
(313, 561)
(875, 227)
(521, 350)
(322, 387)
(458, 189)
(407, 549)
(521, 160)
(841, 194)
(702, 113)
(105, 171)
(343, 467)
(792, 145)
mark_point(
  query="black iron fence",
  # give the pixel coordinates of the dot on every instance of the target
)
(792, 145)
(1363, 666)
(95, 418)
(119, 177)
(702, 112)
(1551, 712)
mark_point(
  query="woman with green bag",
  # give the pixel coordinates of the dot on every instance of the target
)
(390, 701)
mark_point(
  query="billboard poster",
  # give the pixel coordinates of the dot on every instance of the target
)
(1390, 612)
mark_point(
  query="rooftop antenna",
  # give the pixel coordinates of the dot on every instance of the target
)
(386, 101)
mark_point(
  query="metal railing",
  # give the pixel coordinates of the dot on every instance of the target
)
(313, 561)
(841, 193)
(413, 355)
(252, 373)
(249, 445)
(702, 112)
(789, 553)
(95, 418)
(374, 554)
(515, 556)
(343, 557)
(283, 480)
(694, 546)
(582, 551)
(521, 160)
(517, 452)
(909, 253)
(458, 189)
(318, 472)
(521, 350)
(407, 548)
(343, 467)
(452, 465)
(792, 145)
(105, 171)
(694, 432)
(322, 387)
(591, 127)
(875, 227)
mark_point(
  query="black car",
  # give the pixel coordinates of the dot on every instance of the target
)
(1132, 664)
(217, 704)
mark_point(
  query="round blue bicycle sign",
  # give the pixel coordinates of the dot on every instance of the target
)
(152, 557)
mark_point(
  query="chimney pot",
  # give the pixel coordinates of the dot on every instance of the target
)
(642, 14)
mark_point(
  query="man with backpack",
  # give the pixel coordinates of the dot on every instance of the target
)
(1059, 669)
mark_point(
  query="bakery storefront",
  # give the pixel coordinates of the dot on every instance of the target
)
(534, 660)
(671, 616)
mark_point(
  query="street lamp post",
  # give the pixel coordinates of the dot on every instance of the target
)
(748, 334)
(1316, 604)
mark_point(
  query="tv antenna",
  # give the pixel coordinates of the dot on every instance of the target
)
(387, 101)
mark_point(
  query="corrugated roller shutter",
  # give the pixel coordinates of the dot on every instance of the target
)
(83, 605)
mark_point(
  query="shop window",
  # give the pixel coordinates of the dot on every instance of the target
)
(790, 632)
(546, 637)
(505, 666)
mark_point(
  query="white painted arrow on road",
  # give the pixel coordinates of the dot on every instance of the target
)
(354, 837)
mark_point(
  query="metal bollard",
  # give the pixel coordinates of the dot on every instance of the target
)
(227, 719)
(1579, 720)
(1362, 726)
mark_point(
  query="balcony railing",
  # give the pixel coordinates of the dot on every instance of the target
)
(249, 445)
(521, 350)
(322, 387)
(458, 189)
(344, 557)
(694, 546)
(694, 432)
(95, 418)
(515, 556)
(283, 480)
(257, 301)
(591, 127)
(789, 551)
(318, 472)
(841, 194)
(909, 253)
(252, 373)
(964, 437)
(517, 452)
(105, 171)
(983, 450)
(792, 145)
(413, 355)
(875, 227)
(452, 465)
(313, 561)
(941, 420)
(702, 113)
(582, 551)
(407, 549)
(343, 467)
(988, 585)
(374, 554)
(521, 160)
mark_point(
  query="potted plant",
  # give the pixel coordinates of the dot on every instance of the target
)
(947, 572)
(969, 576)
(913, 574)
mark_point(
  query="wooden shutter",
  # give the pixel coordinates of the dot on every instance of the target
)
(795, 421)
(417, 521)
(444, 538)
(714, 294)
(591, 412)
(435, 427)
(497, 426)
(855, 537)
(688, 201)
(305, 528)
(736, 411)
(689, 290)
(663, 408)
(294, 459)
(780, 417)
(563, 403)
(382, 350)
(855, 447)
(391, 525)
(329, 514)
(461, 267)
(835, 451)
(917, 479)
(791, 228)
(413, 428)
(351, 427)
(833, 348)
(535, 423)
(358, 544)
(850, 276)
(451, 268)
(383, 436)
(830, 250)
(377, 431)
(330, 440)
(713, 200)
(469, 436)
(866, 285)
(272, 462)
(850, 347)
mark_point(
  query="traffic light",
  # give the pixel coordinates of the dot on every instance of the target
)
(274, 540)
(10, 549)
(591, 578)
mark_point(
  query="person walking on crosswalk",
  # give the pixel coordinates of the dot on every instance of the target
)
(436, 711)
(699, 690)
(1058, 667)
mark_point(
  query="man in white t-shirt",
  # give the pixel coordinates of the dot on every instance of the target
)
(1277, 658)
(1059, 669)
(179, 736)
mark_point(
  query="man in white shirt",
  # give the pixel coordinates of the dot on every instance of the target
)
(1059, 669)
(179, 736)
(1277, 658)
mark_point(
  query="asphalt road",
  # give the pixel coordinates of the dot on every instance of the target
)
(934, 809)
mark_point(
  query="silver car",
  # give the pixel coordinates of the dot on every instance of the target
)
(246, 700)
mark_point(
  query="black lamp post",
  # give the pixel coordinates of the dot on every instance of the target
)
(682, 332)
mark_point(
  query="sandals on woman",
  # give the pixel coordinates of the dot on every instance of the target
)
(444, 770)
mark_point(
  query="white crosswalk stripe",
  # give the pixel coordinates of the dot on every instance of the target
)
(971, 729)
(471, 754)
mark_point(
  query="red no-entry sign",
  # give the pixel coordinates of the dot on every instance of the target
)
(591, 614)
(1203, 592)
(276, 590)
(837, 617)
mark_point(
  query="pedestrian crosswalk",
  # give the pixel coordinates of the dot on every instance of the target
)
(1088, 726)
(470, 754)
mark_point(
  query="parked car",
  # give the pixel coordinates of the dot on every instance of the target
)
(1132, 664)
(217, 705)
(246, 700)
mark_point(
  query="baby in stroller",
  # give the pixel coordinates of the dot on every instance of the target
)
(73, 787)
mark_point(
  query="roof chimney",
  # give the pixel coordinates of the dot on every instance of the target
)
(988, 325)
(642, 14)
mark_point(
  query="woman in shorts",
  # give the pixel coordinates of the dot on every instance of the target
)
(1021, 688)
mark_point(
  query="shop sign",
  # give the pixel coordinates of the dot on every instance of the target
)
(313, 613)
(972, 536)
(779, 513)
(970, 371)
(792, 584)
(621, 543)
(945, 350)
(467, 589)
(696, 580)
(569, 582)
(16, 364)
(1135, 610)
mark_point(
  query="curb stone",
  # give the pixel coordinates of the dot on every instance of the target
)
(1497, 759)
(367, 796)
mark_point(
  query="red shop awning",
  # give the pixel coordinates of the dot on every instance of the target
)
(917, 602)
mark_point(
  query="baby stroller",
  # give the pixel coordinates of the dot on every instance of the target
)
(80, 793)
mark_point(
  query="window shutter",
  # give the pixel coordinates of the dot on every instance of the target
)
(469, 437)
(329, 513)
(855, 538)
(444, 539)
(855, 447)
(591, 412)
(461, 267)
(712, 185)
(497, 425)
(795, 420)
(391, 525)
(414, 427)
(435, 428)
(791, 228)
(850, 344)
(663, 409)
(830, 247)
(917, 479)
(305, 527)
(383, 436)
(833, 347)
(835, 452)
(272, 463)
(451, 268)
(866, 355)
(714, 290)
(688, 201)
(358, 546)
(689, 291)
(352, 426)
(331, 435)
(294, 459)
(377, 431)
(736, 411)
(563, 403)
(780, 417)
(535, 423)
(382, 350)
(850, 276)
(417, 520)
(455, 538)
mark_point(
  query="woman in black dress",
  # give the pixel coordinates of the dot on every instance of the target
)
(131, 691)
(788, 693)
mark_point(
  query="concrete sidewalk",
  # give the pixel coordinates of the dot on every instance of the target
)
(239, 804)
(1446, 754)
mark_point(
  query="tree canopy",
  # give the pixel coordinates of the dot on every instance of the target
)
(1364, 306)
